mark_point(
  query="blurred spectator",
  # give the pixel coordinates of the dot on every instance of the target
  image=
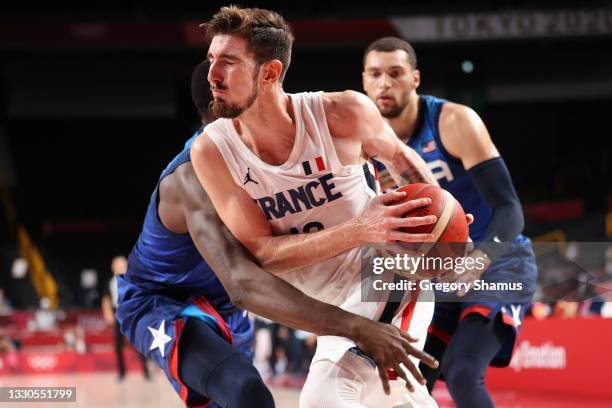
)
(109, 306)
(44, 317)
(88, 295)
(5, 305)
(566, 309)
(289, 354)
(262, 351)
(282, 355)
(9, 351)
(74, 340)
(606, 310)
(309, 342)
(540, 310)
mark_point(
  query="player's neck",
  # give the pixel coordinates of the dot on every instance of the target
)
(406, 123)
(268, 127)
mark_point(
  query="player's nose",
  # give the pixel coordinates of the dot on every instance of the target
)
(384, 81)
(214, 73)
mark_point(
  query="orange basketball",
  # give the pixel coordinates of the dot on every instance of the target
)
(451, 226)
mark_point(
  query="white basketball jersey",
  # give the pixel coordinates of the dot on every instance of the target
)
(311, 191)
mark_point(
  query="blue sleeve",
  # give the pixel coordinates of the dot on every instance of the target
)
(493, 181)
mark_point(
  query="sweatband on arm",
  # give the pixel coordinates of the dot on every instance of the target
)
(493, 181)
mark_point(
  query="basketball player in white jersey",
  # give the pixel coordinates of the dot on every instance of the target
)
(286, 174)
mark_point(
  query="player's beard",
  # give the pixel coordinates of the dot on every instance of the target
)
(222, 109)
(393, 111)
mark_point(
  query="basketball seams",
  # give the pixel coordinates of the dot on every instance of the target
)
(444, 217)
(416, 193)
(452, 214)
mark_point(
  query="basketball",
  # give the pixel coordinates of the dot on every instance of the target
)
(451, 226)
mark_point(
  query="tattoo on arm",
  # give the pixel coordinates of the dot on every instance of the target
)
(413, 175)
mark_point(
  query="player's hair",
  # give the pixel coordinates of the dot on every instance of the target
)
(200, 88)
(268, 35)
(389, 44)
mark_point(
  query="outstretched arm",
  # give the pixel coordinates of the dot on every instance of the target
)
(254, 289)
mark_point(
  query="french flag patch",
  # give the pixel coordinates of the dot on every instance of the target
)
(316, 163)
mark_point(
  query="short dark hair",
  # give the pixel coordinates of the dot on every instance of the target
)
(200, 88)
(390, 44)
(269, 36)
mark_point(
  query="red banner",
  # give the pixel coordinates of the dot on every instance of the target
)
(560, 355)
(44, 362)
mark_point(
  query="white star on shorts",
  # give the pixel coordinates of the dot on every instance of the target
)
(160, 338)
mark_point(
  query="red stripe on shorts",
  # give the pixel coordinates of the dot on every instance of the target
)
(479, 309)
(405, 324)
(409, 310)
(442, 335)
(206, 307)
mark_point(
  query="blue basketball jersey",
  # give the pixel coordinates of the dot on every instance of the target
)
(447, 169)
(167, 262)
(518, 263)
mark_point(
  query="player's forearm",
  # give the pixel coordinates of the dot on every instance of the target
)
(277, 300)
(278, 254)
(493, 181)
(254, 289)
(408, 167)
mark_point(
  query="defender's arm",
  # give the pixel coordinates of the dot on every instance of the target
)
(254, 289)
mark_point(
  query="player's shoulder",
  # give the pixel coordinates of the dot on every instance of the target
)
(462, 131)
(455, 116)
(345, 102)
(201, 143)
(203, 149)
(174, 185)
(348, 110)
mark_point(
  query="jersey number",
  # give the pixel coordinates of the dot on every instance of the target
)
(312, 226)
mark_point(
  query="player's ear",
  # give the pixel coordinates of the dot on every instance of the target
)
(272, 71)
(416, 78)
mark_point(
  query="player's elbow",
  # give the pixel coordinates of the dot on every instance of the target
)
(266, 252)
(238, 297)
(276, 265)
(517, 216)
(243, 292)
(508, 221)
